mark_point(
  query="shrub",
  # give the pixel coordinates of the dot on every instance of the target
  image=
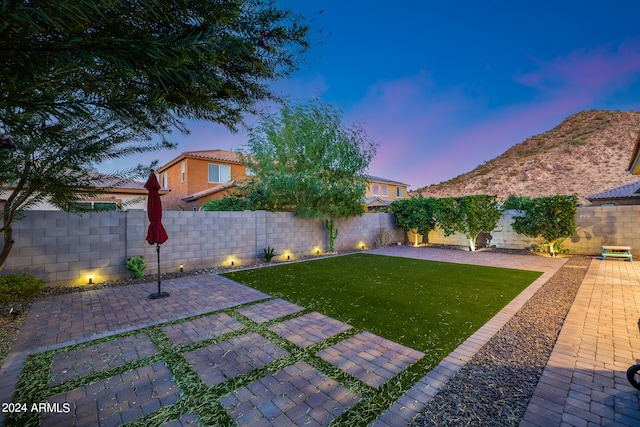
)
(268, 253)
(136, 264)
(19, 287)
(227, 204)
(383, 239)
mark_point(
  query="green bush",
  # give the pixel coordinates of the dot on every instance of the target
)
(227, 204)
(19, 287)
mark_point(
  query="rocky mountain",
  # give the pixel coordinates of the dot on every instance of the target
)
(587, 153)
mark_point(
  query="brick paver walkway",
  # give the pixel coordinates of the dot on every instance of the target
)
(196, 342)
(584, 381)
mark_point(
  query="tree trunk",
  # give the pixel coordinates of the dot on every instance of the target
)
(472, 245)
(8, 244)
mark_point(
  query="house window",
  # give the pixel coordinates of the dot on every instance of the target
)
(183, 168)
(385, 190)
(399, 192)
(375, 189)
(219, 173)
(165, 180)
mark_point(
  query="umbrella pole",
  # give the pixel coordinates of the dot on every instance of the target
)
(159, 294)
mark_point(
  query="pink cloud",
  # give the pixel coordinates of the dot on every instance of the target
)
(429, 135)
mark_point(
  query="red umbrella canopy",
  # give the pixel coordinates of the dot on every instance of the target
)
(156, 234)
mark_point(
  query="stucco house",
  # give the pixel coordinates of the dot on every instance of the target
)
(381, 192)
(116, 196)
(196, 177)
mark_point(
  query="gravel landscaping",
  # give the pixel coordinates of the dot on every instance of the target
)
(494, 388)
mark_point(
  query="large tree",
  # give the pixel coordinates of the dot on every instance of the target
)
(305, 159)
(158, 61)
(86, 81)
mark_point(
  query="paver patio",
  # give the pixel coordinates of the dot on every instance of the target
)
(297, 393)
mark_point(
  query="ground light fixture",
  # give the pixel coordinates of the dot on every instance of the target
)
(232, 261)
(90, 279)
(181, 268)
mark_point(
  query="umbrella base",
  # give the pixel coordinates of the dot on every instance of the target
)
(159, 295)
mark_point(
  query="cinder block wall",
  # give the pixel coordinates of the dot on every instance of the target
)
(596, 226)
(66, 248)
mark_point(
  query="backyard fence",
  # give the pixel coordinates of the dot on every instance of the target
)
(65, 248)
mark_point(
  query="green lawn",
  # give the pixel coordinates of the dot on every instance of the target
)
(429, 306)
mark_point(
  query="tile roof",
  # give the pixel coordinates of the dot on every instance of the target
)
(626, 191)
(227, 156)
(388, 181)
(208, 191)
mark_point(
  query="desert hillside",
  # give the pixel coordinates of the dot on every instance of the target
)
(587, 153)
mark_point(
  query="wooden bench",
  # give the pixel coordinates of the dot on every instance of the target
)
(617, 252)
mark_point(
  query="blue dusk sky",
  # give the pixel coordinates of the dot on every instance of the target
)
(443, 86)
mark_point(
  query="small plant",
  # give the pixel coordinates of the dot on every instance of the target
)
(333, 234)
(136, 264)
(19, 287)
(383, 239)
(268, 253)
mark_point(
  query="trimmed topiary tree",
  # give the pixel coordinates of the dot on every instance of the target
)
(469, 215)
(415, 213)
(552, 218)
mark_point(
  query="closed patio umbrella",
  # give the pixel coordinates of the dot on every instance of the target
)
(156, 234)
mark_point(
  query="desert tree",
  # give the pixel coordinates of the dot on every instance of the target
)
(306, 160)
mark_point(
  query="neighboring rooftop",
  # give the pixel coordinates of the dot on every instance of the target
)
(628, 191)
(220, 155)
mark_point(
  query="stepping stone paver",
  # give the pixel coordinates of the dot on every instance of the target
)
(120, 399)
(296, 395)
(371, 359)
(269, 310)
(310, 329)
(201, 329)
(219, 362)
(100, 357)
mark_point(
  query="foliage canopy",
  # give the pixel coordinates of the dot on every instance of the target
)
(158, 61)
(415, 213)
(306, 160)
(553, 218)
(469, 215)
